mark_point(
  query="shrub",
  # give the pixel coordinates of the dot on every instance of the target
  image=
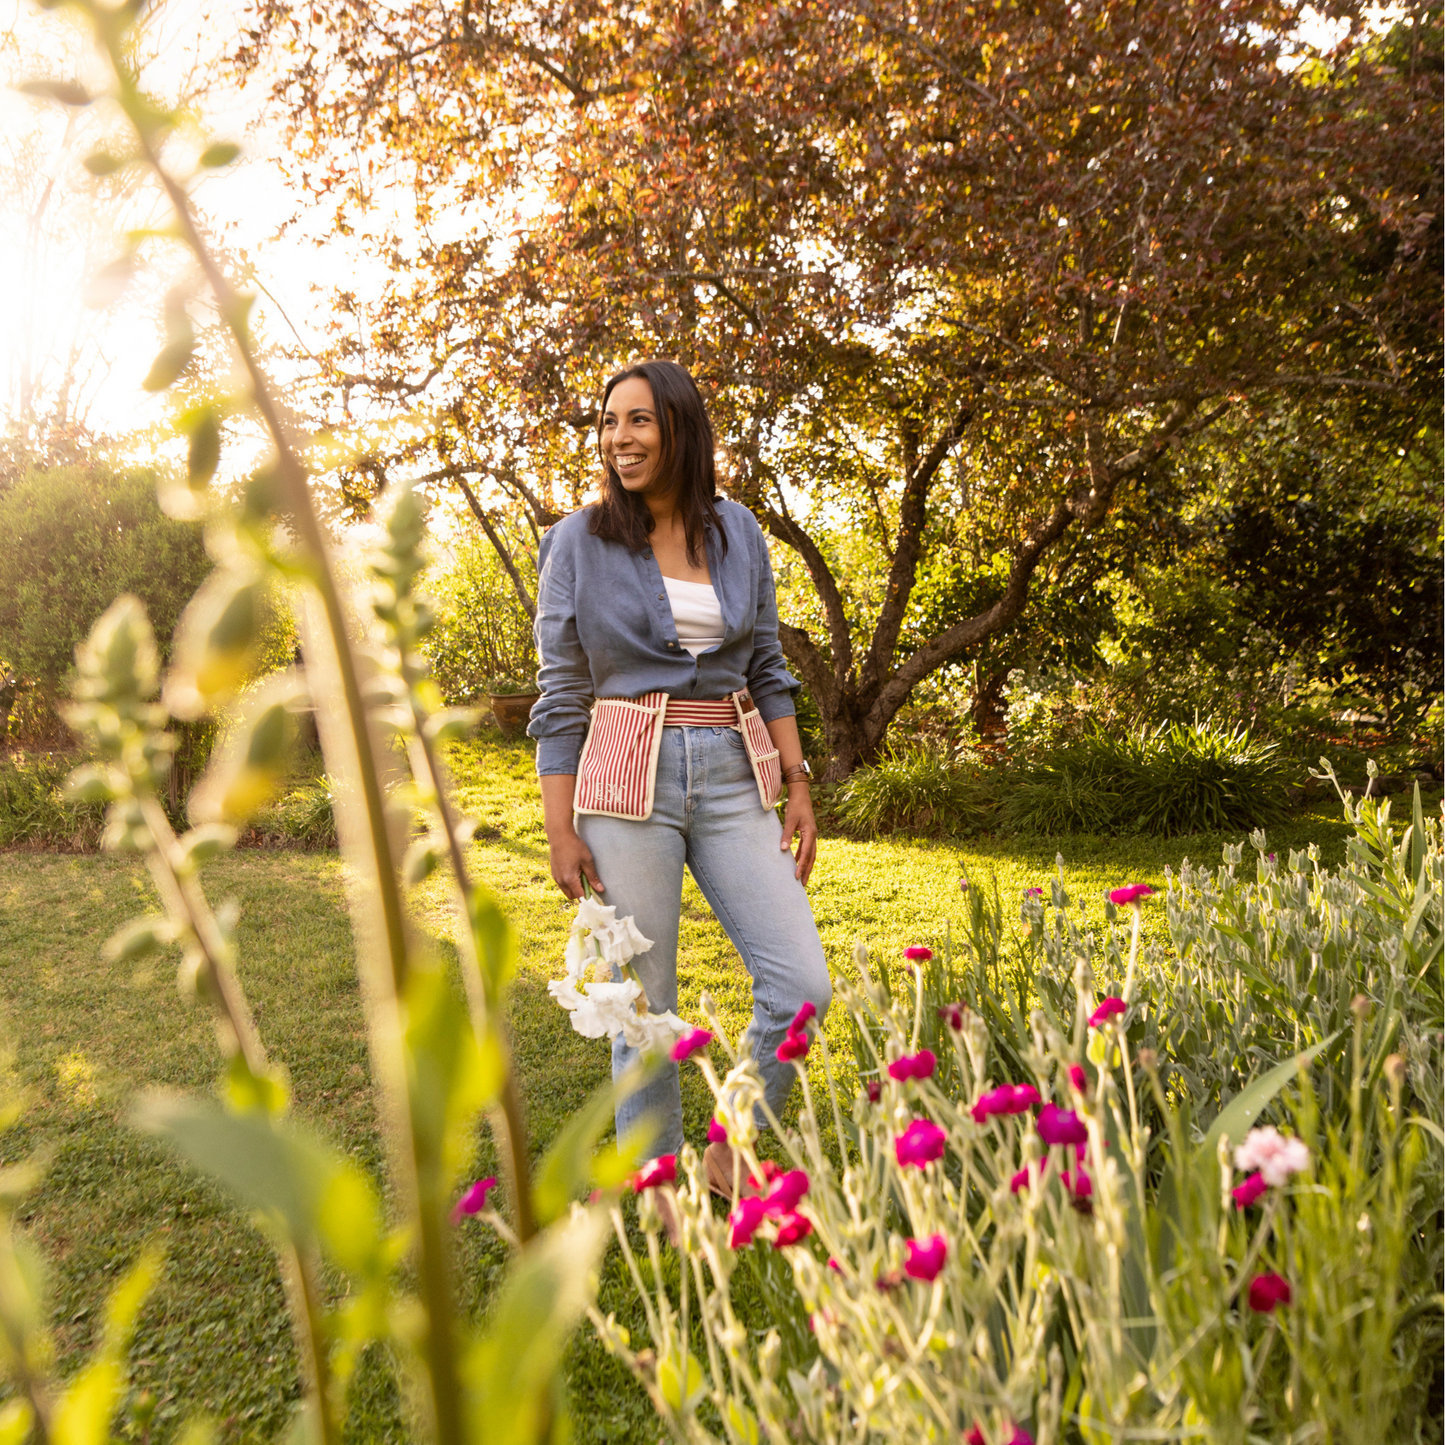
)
(482, 631)
(918, 788)
(1067, 1258)
(71, 539)
(1169, 780)
(34, 811)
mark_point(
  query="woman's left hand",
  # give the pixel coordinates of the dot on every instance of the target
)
(798, 822)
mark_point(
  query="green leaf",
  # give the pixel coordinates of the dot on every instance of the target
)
(139, 937)
(496, 944)
(283, 1172)
(1237, 1117)
(67, 92)
(171, 362)
(513, 1369)
(103, 163)
(221, 153)
(204, 452)
(567, 1165)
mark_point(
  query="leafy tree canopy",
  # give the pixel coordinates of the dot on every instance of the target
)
(948, 270)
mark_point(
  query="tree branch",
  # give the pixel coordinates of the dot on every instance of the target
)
(912, 519)
(785, 529)
(489, 527)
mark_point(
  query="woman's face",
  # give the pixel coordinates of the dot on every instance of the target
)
(631, 438)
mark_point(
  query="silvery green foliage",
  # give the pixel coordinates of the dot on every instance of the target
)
(1124, 1313)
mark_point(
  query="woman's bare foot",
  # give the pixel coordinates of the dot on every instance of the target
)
(717, 1161)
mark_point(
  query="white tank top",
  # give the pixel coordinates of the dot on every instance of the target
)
(696, 613)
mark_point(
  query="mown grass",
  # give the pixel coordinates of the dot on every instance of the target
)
(88, 1034)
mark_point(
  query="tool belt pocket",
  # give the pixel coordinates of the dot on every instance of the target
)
(767, 767)
(617, 773)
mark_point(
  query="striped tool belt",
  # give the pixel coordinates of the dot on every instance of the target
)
(617, 773)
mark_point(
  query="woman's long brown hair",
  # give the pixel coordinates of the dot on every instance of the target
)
(687, 462)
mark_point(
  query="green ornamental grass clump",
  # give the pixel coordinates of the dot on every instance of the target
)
(918, 788)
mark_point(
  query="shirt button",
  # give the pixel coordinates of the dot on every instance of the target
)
(660, 596)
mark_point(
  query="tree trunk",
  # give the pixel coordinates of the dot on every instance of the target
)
(989, 714)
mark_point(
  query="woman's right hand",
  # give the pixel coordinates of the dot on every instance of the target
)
(571, 862)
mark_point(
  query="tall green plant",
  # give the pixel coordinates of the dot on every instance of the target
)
(438, 1061)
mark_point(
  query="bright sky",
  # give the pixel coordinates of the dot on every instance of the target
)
(44, 317)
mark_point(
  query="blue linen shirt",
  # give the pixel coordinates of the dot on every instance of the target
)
(604, 628)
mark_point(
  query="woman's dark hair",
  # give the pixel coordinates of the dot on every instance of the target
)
(686, 462)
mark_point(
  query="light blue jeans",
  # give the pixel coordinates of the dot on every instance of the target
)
(706, 814)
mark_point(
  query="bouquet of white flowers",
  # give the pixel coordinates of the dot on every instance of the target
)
(601, 947)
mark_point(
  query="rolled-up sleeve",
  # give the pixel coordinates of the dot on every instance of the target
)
(769, 680)
(559, 717)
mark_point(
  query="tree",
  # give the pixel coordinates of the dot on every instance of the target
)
(72, 539)
(948, 270)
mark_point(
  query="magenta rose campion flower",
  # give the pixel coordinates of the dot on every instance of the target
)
(913, 1066)
(787, 1190)
(1021, 1179)
(925, 1257)
(874, 1088)
(475, 1198)
(1061, 1126)
(1268, 1290)
(803, 1018)
(953, 1012)
(793, 1046)
(716, 1134)
(793, 1230)
(975, 1437)
(1132, 894)
(749, 1212)
(693, 1042)
(1078, 1078)
(1249, 1191)
(1033, 892)
(1006, 1099)
(1110, 1008)
(662, 1170)
(1078, 1183)
(920, 1143)
(918, 953)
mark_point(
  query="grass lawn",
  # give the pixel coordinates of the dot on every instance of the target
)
(87, 1035)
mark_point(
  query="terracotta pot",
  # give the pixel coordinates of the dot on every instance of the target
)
(512, 709)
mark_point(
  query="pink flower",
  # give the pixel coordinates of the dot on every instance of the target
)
(475, 1199)
(1078, 1078)
(1006, 1099)
(1132, 894)
(1110, 1008)
(1268, 1290)
(1020, 1436)
(802, 1018)
(834, 1265)
(662, 1170)
(875, 1089)
(953, 1012)
(787, 1190)
(794, 1228)
(770, 1172)
(913, 1066)
(918, 953)
(691, 1043)
(920, 1143)
(1021, 1179)
(745, 1218)
(925, 1257)
(1033, 892)
(1061, 1126)
(975, 1437)
(793, 1046)
(1248, 1191)
(1273, 1154)
(1078, 1183)
(716, 1134)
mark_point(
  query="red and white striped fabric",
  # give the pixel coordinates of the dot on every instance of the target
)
(767, 766)
(617, 773)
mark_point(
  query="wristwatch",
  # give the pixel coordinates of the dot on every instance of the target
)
(801, 767)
